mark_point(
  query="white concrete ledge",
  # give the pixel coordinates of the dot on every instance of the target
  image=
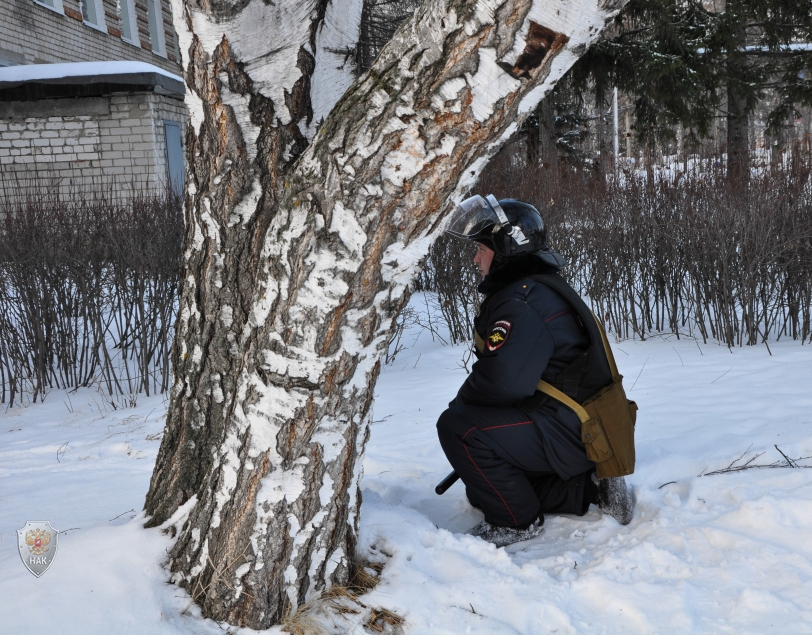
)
(114, 72)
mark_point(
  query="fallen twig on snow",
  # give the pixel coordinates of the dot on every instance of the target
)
(790, 461)
(749, 465)
(638, 375)
(722, 375)
(120, 515)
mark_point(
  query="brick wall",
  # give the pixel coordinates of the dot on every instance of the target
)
(120, 137)
(34, 34)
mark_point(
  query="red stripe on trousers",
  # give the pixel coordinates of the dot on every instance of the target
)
(506, 425)
(491, 484)
(555, 316)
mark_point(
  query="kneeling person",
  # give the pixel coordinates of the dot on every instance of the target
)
(520, 454)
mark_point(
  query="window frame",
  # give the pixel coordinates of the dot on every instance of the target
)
(158, 12)
(130, 8)
(99, 11)
(58, 8)
(177, 185)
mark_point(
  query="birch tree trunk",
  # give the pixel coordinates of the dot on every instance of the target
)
(298, 257)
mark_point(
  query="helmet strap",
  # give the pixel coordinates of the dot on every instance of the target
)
(500, 213)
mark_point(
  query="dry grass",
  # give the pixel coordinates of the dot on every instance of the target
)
(344, 602)
(301, 622)
(341, 600)
(381, 619)
(364, 581)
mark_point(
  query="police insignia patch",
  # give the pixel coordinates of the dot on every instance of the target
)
(498, 335)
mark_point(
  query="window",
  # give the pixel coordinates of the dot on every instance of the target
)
(156, 27)
(174, 156)
(129, 30)
(93, 12)
(56, 5)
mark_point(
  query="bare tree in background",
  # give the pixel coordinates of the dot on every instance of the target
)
(379, 21)
(299, 250)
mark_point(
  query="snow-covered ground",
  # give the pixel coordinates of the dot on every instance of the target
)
(728, 553)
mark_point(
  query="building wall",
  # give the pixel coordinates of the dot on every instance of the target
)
(31, 33)
(120, 138)
(794, 135)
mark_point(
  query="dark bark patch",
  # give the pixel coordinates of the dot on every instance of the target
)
(298, 100)
(320, 10)
(371, 280)
(373, 378)
(296, 432)
(330, 342)
(540, 41)
(369, 326)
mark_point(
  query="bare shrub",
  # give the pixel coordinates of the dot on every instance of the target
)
(88, 284)
(701, 254)
(406, 318)
(379, 21)
(449, 271)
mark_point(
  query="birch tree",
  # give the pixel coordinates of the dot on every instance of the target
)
(306, 219)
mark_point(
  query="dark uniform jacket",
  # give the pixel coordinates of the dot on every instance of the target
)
(530, 333)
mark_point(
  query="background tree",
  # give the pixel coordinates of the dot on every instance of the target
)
(685, 61)
(299, 250)
(379, 21)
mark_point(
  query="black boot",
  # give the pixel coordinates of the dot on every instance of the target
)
(504, 536)
(613, 497)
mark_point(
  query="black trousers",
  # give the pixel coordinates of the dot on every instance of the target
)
(500, 455)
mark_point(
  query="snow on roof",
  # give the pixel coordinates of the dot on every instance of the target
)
(114, 72)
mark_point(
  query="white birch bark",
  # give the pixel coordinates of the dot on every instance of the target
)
(298, 258)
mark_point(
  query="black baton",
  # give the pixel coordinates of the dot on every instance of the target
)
(447, 482)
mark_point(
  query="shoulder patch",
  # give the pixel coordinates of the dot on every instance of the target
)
(498, 334)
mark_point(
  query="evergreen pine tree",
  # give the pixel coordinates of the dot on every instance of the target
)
(686, 61)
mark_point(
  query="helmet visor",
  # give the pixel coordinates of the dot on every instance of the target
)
(473, 218)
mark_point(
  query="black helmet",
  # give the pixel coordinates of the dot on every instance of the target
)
(509, 227)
